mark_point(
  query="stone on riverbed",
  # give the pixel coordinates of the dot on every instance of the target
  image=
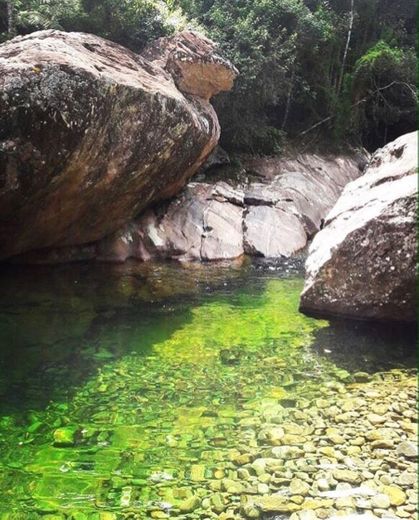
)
(276, 504)
(299, 487)
(407, 449)
(396, 495)
(65, 436)
(344, 475)
(190, 504)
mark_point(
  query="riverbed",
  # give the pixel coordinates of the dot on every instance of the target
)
(153, 390)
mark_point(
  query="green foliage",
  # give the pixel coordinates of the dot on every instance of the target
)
(130, 23)
(382, 90)
(380, 52)
(264, 38)
(33, 15)
(290, 54)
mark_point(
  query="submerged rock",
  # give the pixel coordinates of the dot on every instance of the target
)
(91, 134)
(362, 264)
(65, 436)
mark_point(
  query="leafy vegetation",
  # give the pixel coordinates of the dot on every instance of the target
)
(312, 70)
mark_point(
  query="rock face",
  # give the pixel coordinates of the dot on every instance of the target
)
(272, 216)
(192, 61)
(362, 264)
(91, 134)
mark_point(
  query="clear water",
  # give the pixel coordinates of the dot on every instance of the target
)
(119, 383)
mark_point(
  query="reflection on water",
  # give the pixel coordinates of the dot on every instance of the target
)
(368, 347)
(120, 383)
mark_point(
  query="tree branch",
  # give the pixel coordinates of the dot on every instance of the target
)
(363, 100)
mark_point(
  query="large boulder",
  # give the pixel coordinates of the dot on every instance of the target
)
(362, 264)
(91, 134)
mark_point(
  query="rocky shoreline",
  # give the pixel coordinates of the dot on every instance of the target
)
(349, 451)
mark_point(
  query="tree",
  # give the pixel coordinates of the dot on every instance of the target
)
(333, 70)
(11, 27)
(385, 78)
(348, 42)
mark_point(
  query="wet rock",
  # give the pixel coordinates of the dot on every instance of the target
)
(190, 504)
(272, 233)
(374, 418)
(317, 503)
(263, 489)
(249, 510)
(395, 494)
(78, 157)
(217, 503)
(380, 501)
(345, 503)
(274, 435)
(197, 473)
(273, 218)
(407, 479)
(299, 487)
(362, 264)
(65, 436)
(382, 444)
(194, 226)
(361, 377)
(287, 452)
(231, 486)
(323, 484)
(276, 504)
(345, 475)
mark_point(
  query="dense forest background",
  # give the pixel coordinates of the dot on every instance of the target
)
(312, 71)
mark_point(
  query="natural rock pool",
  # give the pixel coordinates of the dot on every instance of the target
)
(161, 391)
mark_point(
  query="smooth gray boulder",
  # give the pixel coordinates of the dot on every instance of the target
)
(362, 264)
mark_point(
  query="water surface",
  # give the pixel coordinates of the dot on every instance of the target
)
(122, 386)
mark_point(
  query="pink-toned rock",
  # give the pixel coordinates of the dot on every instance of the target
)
(272, 232)
(195, 227)
(272, 218)
(92, 134)
(194, 63)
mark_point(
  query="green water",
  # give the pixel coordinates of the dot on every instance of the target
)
(122, 387)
